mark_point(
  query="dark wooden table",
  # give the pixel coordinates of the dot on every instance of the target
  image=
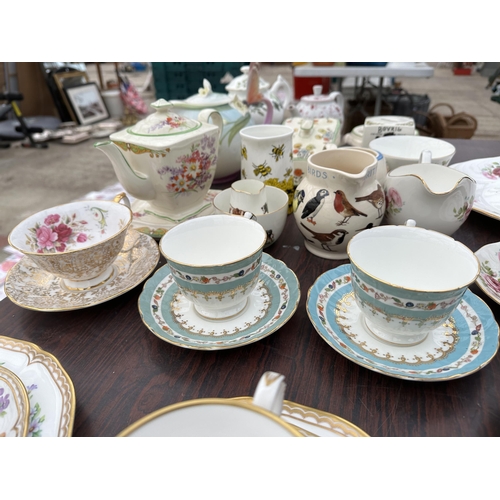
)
(121, 371)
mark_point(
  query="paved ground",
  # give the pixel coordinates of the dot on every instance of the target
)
(33, 179)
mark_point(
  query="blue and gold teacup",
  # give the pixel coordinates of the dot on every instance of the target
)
(407, 280)
(215, 261)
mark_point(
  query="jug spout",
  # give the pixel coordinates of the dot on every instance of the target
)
(137, 184)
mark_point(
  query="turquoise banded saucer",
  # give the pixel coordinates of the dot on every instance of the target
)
(171, 317)
(462, 345)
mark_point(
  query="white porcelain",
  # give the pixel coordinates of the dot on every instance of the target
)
(320, 105)
(338, 197)
(50, 390)
(435, 196)
(77, 242)
(266, 155)
(408, 280)
(273, 221)
(381, 163)
(235, 115)
(14, 405)
(386, 125)
(399, 150)
(166, 159)
(310, 136)
(280, 95)
(30, 287)
(215, 417)
(215, 261)
(248, 195)
(354, 137)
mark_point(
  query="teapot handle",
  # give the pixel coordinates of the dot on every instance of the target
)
(339, 98)
(281, 85)
(216, 117)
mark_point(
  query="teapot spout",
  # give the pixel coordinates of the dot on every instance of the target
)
(138, 185)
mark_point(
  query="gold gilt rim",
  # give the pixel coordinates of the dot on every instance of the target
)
(396, 375)
(13, 344)
(320, 413)
(223, 347)
(486, 212)
(426, 185)
(209, 401)
(114, 235)
(256, 251)
(465, 285)
(23, 395)
(144, 275)
(241, 190)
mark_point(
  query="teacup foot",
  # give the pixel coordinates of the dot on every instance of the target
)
(88, 284)
(225, 313)
(402, 340)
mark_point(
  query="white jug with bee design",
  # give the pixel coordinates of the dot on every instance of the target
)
(338, 197)
(267, 155)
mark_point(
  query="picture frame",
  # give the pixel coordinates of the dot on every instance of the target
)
(68, 79)
(87, 103)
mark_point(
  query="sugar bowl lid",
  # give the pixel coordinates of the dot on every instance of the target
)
(163, 122)
(239, 83)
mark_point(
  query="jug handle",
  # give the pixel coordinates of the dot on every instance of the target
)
(213, 114)
(282, 84)
(270, 392)
(339, 98)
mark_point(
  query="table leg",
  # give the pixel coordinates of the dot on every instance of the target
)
(378, 102)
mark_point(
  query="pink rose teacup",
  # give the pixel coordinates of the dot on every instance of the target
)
(76, 242)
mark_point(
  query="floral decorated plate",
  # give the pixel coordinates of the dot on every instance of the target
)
(14, 405)
(489, 277)
(463, 345)
(316, 423)
(50, 390)
(486, 173)
(29, 286)
(171, 317)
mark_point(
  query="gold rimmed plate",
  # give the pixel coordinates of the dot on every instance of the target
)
(464, 344)
(49, 389)
(14, 405)
(32, 288)
(172, 318)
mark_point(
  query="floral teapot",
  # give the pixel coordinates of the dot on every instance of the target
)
(167, 160)
(280, 95)
(235, 116)
(320, 106)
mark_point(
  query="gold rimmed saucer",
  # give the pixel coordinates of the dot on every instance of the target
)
(32, 288)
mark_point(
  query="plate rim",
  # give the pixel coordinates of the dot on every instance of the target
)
(13, 344)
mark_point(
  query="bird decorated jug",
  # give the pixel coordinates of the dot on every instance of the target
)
(338, 197)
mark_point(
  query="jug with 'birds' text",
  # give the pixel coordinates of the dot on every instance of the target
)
(338, 197)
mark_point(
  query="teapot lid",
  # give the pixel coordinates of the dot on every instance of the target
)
(317, 96)
(239, 83)
(163, 122)
(204, 98)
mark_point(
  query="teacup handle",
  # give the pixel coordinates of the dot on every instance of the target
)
(122, 197)
(270, 392)
(425, 156)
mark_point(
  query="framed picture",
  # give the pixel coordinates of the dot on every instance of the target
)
(87, 103)
(68, 79)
